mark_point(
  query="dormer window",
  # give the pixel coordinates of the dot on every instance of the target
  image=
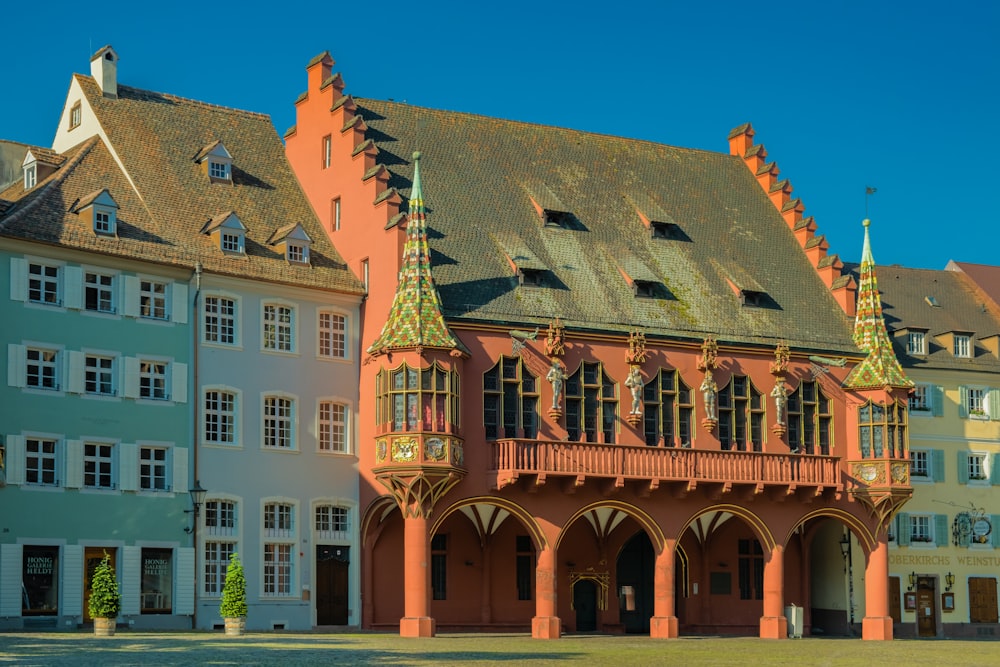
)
(963, 345)
(293, 242)
(216, 162)
(530, 277)
(554, 218)
(752, 299)
(100, 211)
(664, 230)
(645, 289)
(228, 231)
(30, 176)
(916, 342)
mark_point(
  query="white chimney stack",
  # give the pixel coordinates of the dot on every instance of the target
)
(104, 69)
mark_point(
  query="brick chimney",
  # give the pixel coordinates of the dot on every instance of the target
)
(104, 69)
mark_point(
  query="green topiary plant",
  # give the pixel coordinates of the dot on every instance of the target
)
(105, 601)
(234, 590)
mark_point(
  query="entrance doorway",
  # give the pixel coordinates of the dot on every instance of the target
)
(585, 604)
(92, 557)
(332, 591)
(926, 607)
(634, 577)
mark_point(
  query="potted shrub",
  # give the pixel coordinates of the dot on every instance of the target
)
(234, 598)
(105, 601)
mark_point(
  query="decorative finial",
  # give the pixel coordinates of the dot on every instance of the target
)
(416, 155)
(864, 222)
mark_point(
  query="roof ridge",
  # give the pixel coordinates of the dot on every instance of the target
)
(178, 98)
(82, 149)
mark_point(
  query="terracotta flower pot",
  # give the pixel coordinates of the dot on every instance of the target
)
(104, 627)
(236, 626)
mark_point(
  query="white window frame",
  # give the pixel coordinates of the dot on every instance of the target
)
(30, 175)
(232, 242)
(327, 150)
(75, 116)
(276, 334)
(920, 400)
(297, 253)
(916, 343)
(331, 334)
(160, 470)
(56, 456)
(97, 459)
(40, 364)
(332, 430)
(216, 414)
(105, 290)
(48, 285)
(154, 379)
(278, 427)
(978, 467)
(219, 327)
(94, 376)
(220, 170)
(223, 537)
(105, 220)
(922, 529)
(336, 214)
(977, 403)
(279, 534)
(920, 464)
(962, 346)
(151, 301)
(332, 521)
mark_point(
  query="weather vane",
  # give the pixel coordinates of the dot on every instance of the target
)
(869, 191)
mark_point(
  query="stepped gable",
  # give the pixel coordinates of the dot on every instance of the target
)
(578, 201)
(165, 199)
(415, 319)
(880, 368)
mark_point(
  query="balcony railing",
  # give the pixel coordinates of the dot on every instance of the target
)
(515, 458)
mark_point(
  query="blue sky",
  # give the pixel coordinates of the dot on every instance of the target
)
(902, 97)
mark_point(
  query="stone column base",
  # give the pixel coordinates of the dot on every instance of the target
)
(663, 627)
(420, 626)
(773, 627)
(545, 627)
(876, 628)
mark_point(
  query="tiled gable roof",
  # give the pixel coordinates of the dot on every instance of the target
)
(157, 136)
(483, 175)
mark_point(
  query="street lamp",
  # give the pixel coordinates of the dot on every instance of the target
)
(949, 580)
(197, 500)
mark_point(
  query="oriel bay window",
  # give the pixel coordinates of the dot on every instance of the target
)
(882, 429)
(741, 416)
(809, 420)
(510, 400)
(667, 410)
(591, 403)
(411, 399)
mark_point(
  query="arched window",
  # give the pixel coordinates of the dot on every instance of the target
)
(809, 420)
(882, 430)
(413, 399)
(667, 410)
(741, 416)
(510, 400)
(591, 403)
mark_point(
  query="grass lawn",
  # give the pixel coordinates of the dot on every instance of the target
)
(293, 649)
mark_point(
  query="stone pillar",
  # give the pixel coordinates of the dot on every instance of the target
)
(663, 624)
(773, 624)
(877, 623)
(417, 621)
(545, 624)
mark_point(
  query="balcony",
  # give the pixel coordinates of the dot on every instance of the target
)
(532, 463)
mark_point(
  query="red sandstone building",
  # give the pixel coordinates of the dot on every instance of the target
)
(608, 384)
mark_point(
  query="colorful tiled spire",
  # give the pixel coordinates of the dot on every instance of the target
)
(415, 319)
(881, 367)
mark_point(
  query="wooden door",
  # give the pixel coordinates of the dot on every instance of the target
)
(92, 557)
(926, 607)
(332, 585)
(585, 604)
(982, 600)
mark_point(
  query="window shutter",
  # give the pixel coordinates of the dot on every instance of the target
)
(131, 308)
(10, 579)
(994, 461)
(131, 569)
(184, 591)
(72, 580)
(993, 403)
(128, 467)
(76, 363)
(937, 400)
(179, 303)
(937, 464)
(903, 533)
(941, 530)
(74, 464)
(179, 483)
(15, 462)
(18, 280)
(131, 384)
(178, 382)
(963, 402)
(963, 467)
(995, 529)
(73, 287)
(16, 370)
